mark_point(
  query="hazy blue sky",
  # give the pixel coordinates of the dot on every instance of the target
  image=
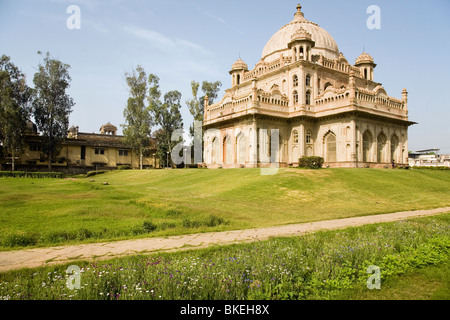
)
(185, 40)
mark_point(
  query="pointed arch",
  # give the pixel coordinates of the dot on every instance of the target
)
(295, 96)
(214, 150)
(394, 148)
(241, 149)
(381, 148)
(295, 80)
(308, 97)
(295, 136)
(367, 146)
(227, 150)
(330, 146)
(308, 80)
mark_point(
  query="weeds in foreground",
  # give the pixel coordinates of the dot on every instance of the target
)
(316, 266)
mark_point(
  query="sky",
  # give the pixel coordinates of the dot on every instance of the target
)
(185, 40)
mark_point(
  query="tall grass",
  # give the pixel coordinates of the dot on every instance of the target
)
(315, 266)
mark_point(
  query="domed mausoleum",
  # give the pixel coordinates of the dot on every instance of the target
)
(303, 98)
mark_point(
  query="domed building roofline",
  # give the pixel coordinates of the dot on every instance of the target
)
(108, 128)
(364, 58)
(324, 42)
(239, 65)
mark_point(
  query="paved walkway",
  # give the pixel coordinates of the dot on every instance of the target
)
(10, 260)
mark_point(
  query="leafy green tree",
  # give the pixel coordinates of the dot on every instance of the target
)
(196, 104)
(167, 115)
(14, 108)
(196, 107)
(52, 105)
(137, 129)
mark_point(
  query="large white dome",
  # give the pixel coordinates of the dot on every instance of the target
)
(324, 42)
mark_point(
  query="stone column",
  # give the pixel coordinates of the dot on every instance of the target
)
(301, 87)
(353, 140)
(254, 141)
(301, 140)
(315, 86)
(405, 145)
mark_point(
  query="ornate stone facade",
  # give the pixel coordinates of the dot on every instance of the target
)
(320, 104)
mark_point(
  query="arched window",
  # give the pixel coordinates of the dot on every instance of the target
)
(365, 73)
(331, 148)
(308, 97)
(295, 96)
(308, 137)
(295, 81)
(301, 52)
(308, 80)
(328, 84)
(295, 54)
(295, 134)
(238, 79)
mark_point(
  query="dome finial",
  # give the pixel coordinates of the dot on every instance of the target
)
(299, 12)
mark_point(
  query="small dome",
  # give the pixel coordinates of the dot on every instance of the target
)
(364, 58)
(239, 65)
(108, 129)
(72, 129)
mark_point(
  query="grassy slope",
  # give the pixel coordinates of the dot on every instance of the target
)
(243, 197)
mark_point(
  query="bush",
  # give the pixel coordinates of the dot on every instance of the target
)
(124, 167)
(148, 226)
(187, 223)
(20, 239)
(311, 162)
(23, 174)
(95, 172)
(432, 168)
(213, 221)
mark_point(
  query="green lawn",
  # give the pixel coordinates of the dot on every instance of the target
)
(42, 212)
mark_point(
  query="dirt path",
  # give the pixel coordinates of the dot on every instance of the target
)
(10, 260)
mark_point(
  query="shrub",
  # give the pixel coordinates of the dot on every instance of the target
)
(124, 167)
(187, 223)
(95, 172)
(20, 239)
(23, 174)
(148, 226)
(311, 162)
(213, 221)
(432, 168)
(167, 225)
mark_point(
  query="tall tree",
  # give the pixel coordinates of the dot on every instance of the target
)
(167, 115)
(14, 108)
(137, 129)
(196, 104)
(196, 107)
(52, 105)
